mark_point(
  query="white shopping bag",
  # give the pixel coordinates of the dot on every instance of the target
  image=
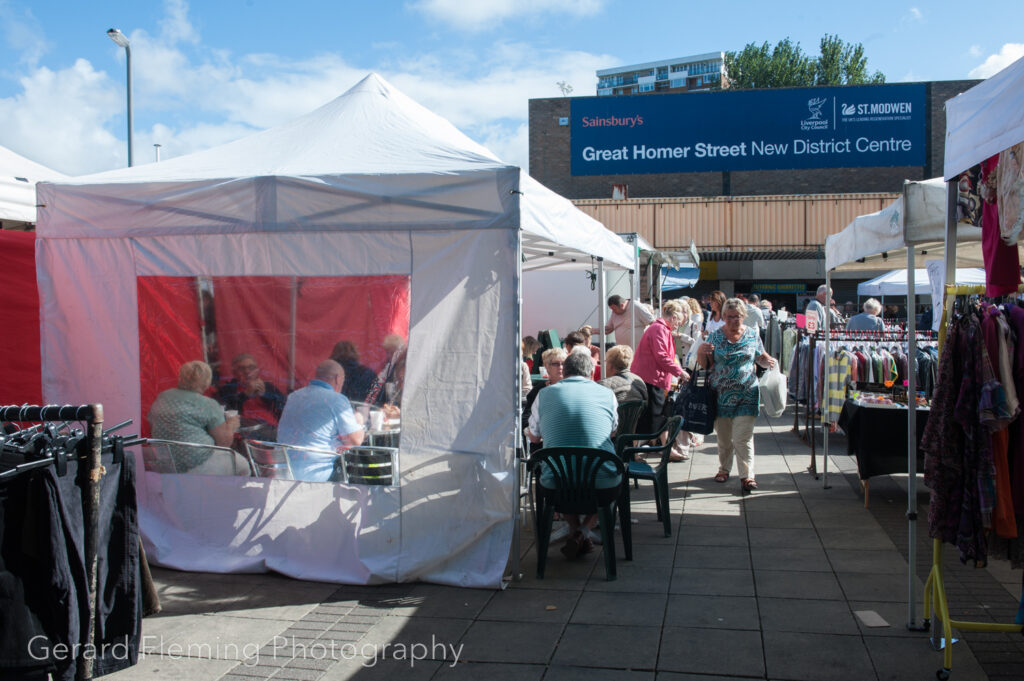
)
(773, 392)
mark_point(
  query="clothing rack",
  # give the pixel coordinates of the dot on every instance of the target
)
(92, 414)
(840, 336)
(935, 600)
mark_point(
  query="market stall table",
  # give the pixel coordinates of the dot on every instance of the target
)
(877, 436)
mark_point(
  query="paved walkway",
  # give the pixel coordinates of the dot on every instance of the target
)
(766, 586)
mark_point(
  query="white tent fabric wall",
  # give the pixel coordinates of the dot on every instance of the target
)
(371, 183)
(18, 178)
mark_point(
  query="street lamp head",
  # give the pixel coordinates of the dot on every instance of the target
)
(120, 38)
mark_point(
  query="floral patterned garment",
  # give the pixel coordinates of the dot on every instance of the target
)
(959, 468)
(732, 375)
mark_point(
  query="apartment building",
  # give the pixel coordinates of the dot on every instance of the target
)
(685, 74)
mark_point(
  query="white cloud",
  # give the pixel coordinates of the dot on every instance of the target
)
(1009, 53)
(974, 51)
(916, 14)
(476, 15)
(189, 96)
(62, 119)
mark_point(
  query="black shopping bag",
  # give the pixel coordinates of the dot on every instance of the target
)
(697, 403)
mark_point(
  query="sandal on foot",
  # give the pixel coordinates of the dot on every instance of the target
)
(722, 476)
(749, 484)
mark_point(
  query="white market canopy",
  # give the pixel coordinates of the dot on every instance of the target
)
(18, 178)
(370, 184)
(879, 240)
(894, 283)
(985, 120)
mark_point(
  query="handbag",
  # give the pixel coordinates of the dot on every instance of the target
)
(698, 404)
(773, 392)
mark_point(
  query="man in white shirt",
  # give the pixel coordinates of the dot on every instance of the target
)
(754, 316)
(621, 321)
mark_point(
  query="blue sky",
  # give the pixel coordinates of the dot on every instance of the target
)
(207, 73)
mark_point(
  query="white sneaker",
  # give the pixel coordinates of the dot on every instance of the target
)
(559, 531)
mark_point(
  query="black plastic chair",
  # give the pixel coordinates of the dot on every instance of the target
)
(575, 471)
(641, 470)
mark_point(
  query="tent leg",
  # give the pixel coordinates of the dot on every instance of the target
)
(825, 392)
(601, 309)
(911, 441)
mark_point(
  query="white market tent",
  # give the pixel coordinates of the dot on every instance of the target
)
(369, 184)
(18, 178)
(894, 283)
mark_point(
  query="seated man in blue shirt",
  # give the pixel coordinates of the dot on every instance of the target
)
(576, 412)
(319, 416)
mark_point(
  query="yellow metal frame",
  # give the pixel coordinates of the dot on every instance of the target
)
(935, 603)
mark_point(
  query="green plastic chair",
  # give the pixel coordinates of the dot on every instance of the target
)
(629, 414)
(641, 470)
(575, 471)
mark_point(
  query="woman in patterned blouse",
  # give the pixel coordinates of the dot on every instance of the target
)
(732, 351)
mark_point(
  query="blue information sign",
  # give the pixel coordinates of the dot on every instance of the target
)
(836, 127)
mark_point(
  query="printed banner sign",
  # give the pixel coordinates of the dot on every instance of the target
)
(837, 127)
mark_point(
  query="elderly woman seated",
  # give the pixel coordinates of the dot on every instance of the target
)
(184, 414)
(625, 384)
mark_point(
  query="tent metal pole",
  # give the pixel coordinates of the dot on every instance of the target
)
(294, 334)
(950, 240)
(601, 313)
(634, 279)
(517, 437)
(202, 319)
(825, 392)
(911, 442)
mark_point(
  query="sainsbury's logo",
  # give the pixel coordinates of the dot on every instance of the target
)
(612, 121)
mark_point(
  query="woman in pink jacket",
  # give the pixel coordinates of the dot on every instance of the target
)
(655, 362)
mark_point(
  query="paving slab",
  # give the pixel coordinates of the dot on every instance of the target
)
(492, 671)
(711, 651)
(638, 609)
(816, 657)
(720, 581)
(514, 642)
(810, 616)
(610, 647)
(784, 584)
(517, 604)
(717, 612)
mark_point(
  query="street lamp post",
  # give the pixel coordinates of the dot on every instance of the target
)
(122, 41)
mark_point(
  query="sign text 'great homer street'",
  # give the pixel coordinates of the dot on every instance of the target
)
(841, 127)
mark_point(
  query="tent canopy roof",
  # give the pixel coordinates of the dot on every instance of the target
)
(985, 120)
(371, 159)
(879, 240)
(18, 178)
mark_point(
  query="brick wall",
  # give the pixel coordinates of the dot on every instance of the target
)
(550, 159)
